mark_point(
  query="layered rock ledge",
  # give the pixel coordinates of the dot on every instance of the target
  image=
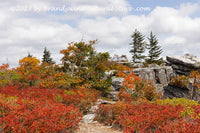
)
(184, 64)
(160, 76)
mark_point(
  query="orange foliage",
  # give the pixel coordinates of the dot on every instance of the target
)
(130, 81)
(4, 66)
(121, 69)
(120, 74)
(135, 88)
(29, 65)
(196, 76)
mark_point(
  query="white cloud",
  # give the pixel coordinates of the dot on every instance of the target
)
(112, 33)
(23, 32)
(18, 36)
(174, 40)
(188, 9)
(179, 29)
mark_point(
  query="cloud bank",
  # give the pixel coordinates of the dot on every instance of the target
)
(111, 22)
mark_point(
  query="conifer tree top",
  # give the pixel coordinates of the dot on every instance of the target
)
(47, 57)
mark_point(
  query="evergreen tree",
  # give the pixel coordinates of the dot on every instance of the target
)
(47, 57)
(154, 50)
(138, 47)
(29, 55)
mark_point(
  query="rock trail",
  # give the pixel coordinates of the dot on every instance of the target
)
(88, 125)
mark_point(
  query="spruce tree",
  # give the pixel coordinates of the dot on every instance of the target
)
(47, 57)
(137, 47)
(29, 55)
(154, 50)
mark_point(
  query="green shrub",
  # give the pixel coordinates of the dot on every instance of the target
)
(174, 101)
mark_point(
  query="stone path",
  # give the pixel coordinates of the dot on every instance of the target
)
(88, 125)
(95, 127)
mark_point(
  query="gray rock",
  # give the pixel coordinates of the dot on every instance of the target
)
(160, 76)
(153, 65)
(117, 83)
(113, 95)
(110, 73)
(194, 92)
(93, 109)
(88, 118)
(159, 89)
(191, 92)
(112, 88)
(169, 73)
(183, 65)
(147, 74)
(137, 65)
(187, 60)
(173, 91)
(101, 101)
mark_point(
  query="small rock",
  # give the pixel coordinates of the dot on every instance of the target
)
(117, 83)
(113, 95)
(94, 108)
(88, 118)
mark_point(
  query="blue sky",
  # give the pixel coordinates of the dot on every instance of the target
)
(29, 26)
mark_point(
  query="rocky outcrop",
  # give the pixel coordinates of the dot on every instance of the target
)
(175, 91)
(190, 92)
(117, 83)
(115, 87)
(160, 76)
(184, 64)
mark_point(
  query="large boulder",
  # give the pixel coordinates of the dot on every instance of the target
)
(147, 74)
(159, 76)
(117, 83)
(190, 92)
(174, 91)
(115, 87)
(184, 64)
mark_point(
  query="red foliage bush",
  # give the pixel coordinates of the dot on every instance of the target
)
(42, 110)
(37, 118)
(149, 117)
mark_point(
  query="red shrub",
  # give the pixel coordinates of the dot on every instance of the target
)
(42, 110)
(148, 117)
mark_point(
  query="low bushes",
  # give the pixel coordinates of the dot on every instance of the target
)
(174, 101)
(151, 117)
(43, 110)
(180, 81)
